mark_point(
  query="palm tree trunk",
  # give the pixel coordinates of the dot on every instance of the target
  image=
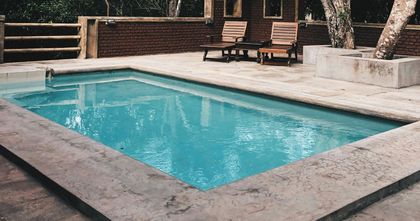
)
(397, 21)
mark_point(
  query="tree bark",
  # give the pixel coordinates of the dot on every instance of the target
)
(178, 8)
(400, 15)
(172, 5)
(339, 22)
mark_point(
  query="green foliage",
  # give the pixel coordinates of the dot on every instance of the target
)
(372, 11)
(49, 10)
(68, 10)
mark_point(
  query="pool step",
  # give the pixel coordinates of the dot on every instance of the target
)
(24, 80)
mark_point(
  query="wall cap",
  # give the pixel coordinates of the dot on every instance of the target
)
(145, 19)
(361, 24)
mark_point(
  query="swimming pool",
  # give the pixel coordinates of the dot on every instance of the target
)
(204, 136)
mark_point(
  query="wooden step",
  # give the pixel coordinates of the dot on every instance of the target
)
(31, 50)
(55, 25)
(51, 37)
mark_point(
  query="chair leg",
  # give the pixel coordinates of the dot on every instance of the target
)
(223, 53)
(237, 55)
(262, 58)
(258, 57)
(206, 51)
(296, 54)
(289, 59)
(266, 56)
(246, 54)
(229, 55)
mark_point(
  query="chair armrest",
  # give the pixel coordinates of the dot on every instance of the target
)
(242, 37)
(266, 43)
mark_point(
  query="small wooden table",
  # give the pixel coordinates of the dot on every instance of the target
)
(219, 46)
(245, 46)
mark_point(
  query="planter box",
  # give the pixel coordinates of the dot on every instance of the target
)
(402, 71)
(312, 52)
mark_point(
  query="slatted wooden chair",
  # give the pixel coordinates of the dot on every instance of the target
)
(233, 31)
(283, 41)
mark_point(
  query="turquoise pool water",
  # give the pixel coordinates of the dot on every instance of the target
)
(204, 136)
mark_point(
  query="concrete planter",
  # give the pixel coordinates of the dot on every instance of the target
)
(312, 52)
(402, 71)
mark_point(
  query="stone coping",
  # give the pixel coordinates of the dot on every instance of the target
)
(285, 92)
(330, 185)
(146, 19)
(361, 24)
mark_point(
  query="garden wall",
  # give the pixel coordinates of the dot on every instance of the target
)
(141, 37)
(317, 34)
(154, 37)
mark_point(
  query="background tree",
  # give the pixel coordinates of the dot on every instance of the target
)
(339, 22)
(397, 21)
(68, 10)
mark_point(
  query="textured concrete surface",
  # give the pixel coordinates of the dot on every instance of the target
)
(328, 185)
(23, 198)
(122, 188)
(361, 68)
(311, 53)
(404, 205)
(297, 82)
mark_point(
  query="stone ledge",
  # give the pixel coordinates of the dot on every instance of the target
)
(402, 71)
(322, 186)
(312, 52)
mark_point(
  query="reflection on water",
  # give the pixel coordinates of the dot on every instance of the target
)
(204, 136)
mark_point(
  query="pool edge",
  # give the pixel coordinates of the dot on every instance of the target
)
(183, 190)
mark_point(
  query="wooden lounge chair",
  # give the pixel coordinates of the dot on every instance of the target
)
(283, 41)
(233, 31)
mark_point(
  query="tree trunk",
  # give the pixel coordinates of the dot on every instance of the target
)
(401, 12)
(178, 8)
(172, 8)
(339, 22)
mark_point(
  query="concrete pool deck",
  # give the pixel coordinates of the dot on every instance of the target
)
(329, 185)
(23, 198)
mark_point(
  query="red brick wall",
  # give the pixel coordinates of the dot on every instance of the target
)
(140, 38)
(135, 38)
(409, 43)
(260, 27)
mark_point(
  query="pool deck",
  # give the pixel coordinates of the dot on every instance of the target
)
(331, 185)
(22, 197)
(401, 206)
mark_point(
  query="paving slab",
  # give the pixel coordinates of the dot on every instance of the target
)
(331, 185)
(401, 206)
(297, 82)
(24, 198)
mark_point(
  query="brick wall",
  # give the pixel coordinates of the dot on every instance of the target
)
(141, 38)
(260, 27)
(409, 43)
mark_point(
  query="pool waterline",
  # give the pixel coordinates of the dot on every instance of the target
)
(205, 136)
